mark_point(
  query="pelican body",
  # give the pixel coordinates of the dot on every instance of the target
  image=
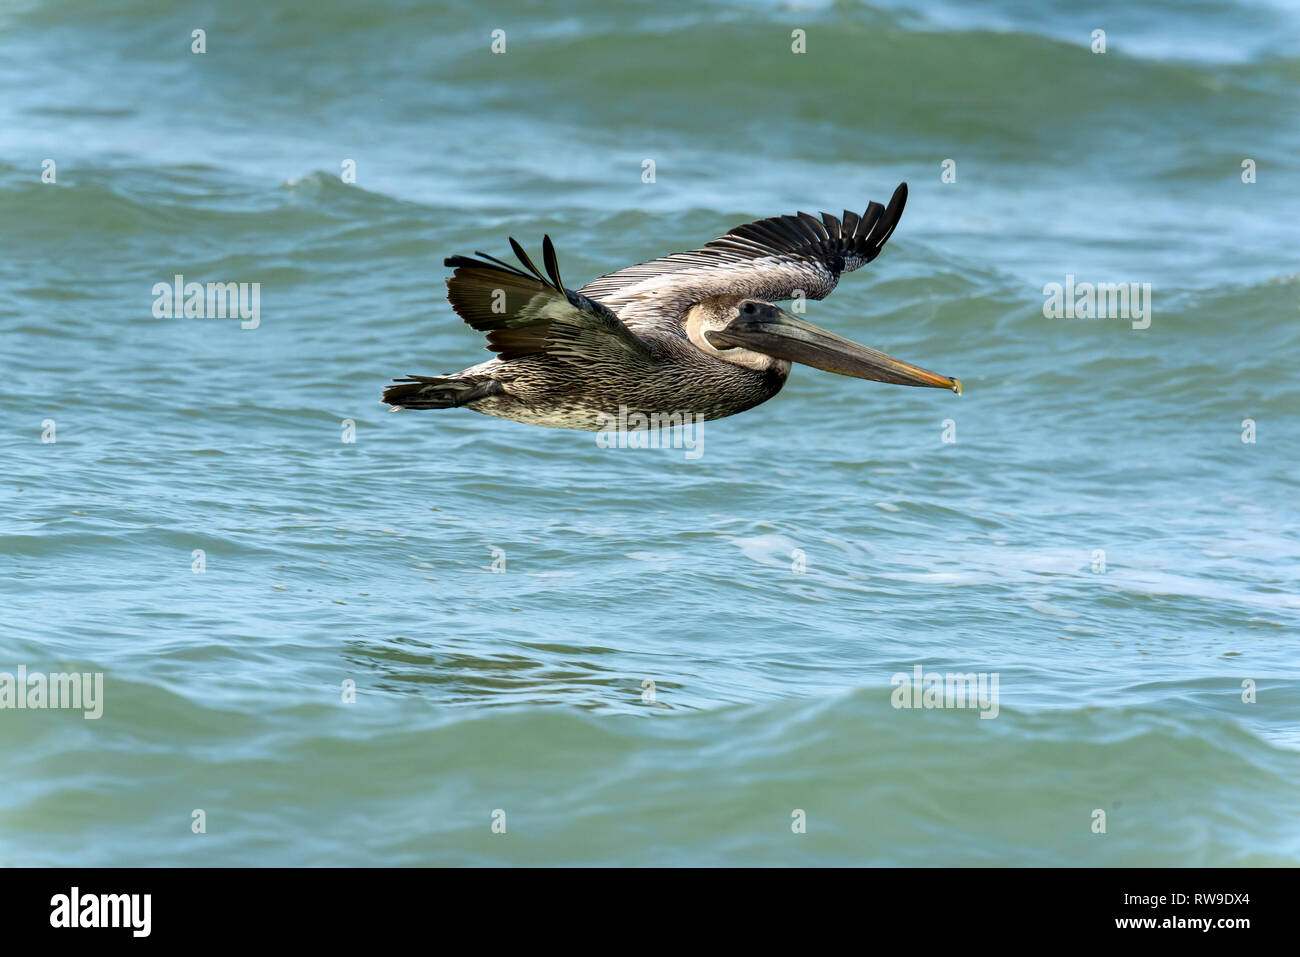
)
(694, 334)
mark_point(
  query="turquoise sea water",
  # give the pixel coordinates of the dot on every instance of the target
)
(681, 653)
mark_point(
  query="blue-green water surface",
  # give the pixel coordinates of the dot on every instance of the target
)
(632, 656)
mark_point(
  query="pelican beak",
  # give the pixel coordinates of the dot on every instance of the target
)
(773, 331)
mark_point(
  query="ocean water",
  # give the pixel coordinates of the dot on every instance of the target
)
(640, 656)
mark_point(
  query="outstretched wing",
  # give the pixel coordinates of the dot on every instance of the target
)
(770, 259)
(526, 313)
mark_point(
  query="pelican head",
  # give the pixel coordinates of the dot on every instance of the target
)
(759, 329)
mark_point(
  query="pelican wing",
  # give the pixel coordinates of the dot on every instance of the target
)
(772, 259)
(527, 313)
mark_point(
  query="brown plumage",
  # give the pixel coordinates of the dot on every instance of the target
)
(694, 333)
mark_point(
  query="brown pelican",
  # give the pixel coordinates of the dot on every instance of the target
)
(691, 334)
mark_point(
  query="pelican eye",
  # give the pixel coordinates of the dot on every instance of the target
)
(749, 308)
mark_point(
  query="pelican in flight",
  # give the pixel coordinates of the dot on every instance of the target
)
(691, 334)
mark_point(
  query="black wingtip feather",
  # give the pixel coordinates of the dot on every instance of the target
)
(889, 221)
(838, 244)
(513, 270)
(868, 221)
(524, 258)
(552, 265)
(492, 263)
(549, 259)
